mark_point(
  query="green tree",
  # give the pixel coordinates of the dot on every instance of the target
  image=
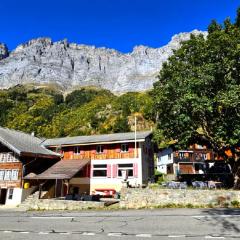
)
(198, 92)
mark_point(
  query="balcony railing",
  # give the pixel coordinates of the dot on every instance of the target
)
(8, 157)
(178, 159)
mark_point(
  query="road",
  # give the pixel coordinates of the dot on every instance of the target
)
(128, 224)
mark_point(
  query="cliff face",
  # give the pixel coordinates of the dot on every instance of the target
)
(3, 51)
(42, 61)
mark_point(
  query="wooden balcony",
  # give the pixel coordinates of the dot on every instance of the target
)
(8, 157)
(101, 156)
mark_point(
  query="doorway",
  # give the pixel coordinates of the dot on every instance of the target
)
(3, 195)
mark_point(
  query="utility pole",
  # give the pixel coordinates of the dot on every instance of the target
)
(135, 138)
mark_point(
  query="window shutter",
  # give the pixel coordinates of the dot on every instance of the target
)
(114, 170)
(109, 170)
(118, 148)
(88, 170)
(93, 151)
(131, 149)
(91, 170)
(105, 151)
(135, 170)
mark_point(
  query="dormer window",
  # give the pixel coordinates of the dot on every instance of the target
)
(77, 150)
(99, 149)
(124, 147)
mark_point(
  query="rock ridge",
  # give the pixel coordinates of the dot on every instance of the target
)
(70, 65)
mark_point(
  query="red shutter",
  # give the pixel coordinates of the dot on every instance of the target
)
(135, 170)
(114, 170)
(91, 170)
(88, 170)
(118, 148)
(131, 148)
(109, 170)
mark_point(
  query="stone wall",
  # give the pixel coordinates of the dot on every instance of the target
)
(147, 198)
(52, 204)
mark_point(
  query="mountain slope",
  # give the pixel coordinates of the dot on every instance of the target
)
(69, 65)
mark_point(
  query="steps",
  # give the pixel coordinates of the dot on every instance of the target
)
(31, 200)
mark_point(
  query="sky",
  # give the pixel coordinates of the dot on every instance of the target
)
(118, 24)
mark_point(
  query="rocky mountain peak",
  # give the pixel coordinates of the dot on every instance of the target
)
(3, 51)
(70, 65)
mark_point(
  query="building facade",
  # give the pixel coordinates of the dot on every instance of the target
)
(108, 161)
(20, 153)
(188, 161)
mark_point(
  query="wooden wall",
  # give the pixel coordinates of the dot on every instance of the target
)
(11, 166)
(110, 151)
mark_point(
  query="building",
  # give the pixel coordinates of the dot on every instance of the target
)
(188, 161)
(20, 154)
(92, 164)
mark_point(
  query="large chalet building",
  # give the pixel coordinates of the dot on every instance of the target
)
(82, 164)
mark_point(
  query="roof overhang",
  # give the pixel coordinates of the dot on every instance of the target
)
(95, 143)
(64, 169)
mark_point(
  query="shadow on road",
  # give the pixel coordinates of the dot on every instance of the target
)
(226, 219)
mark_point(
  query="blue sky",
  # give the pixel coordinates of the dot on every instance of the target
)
(119, 24)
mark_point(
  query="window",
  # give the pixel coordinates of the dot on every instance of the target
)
(14, 175)
(169, 156)
(2, 174)
(124, 147)
(181, 155)
(100, 170)
(127, 167)
(10, 193)
(8, 174)
(99, 149)
(76, 150)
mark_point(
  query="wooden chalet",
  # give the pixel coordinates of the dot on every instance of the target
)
(99, 163)
(20, 154)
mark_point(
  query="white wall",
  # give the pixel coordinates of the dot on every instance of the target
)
(163, 160)
(16, 199)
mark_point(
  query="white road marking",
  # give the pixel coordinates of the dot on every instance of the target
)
(7, 231)
(144, 235)
(88, 233)
(65, 233)
(176, 236)
(115, 234)
(24, 232)
(43, 233)
(52, 217)
(212, 237)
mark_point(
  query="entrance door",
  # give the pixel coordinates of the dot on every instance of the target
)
(3, 195)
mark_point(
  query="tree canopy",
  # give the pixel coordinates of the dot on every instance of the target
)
(45, 111)
(197, 96)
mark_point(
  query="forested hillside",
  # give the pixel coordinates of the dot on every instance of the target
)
(48, 113)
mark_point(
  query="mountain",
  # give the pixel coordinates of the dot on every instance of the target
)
(69, 65)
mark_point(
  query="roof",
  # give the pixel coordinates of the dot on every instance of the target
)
(64, 169)
(23, 143)
(93, 139)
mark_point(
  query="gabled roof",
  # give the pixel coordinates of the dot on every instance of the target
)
(94, 139)
(23, 143)
(64, 169)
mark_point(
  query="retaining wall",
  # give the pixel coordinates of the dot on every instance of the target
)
(144, 198)
(51, 204)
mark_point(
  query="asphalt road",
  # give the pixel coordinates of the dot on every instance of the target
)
(129, 224)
